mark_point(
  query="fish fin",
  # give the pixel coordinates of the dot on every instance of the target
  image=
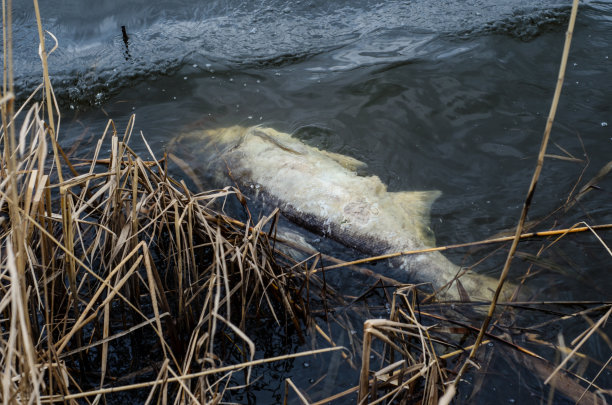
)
(417, 208)
(463, 294)
(417, 203)
(347, 162)
(273, 136)
(260, 132)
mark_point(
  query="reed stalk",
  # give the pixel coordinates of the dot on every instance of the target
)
(526, 205)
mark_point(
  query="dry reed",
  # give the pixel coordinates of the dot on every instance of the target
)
(121, 252)
(119, 260)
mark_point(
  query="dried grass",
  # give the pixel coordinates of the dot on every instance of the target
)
(119, 259)
(123, 250)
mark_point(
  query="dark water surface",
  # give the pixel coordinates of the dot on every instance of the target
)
(441, 94)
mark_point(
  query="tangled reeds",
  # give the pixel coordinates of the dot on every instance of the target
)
(121, 251)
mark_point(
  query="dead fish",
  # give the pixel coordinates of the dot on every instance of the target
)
(323, 192)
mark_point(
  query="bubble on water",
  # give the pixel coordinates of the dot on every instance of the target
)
(604, 124)
(71, 107)
(174, 98)
(250, 117)
(258, 81)
(231, 79)
(207, 65)
(195, 65)
(184, 77)
(306, 365)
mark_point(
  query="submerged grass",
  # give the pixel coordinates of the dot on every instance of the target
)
(115, 277)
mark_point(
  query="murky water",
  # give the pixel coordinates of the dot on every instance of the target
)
(442, 94)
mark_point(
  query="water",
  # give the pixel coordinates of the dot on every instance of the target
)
(442, 94)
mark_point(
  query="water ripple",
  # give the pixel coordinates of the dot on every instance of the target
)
(164, 36)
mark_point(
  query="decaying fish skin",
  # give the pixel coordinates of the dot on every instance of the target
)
(322, 191)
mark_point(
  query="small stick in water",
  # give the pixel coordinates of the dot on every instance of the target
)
(126, 39)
